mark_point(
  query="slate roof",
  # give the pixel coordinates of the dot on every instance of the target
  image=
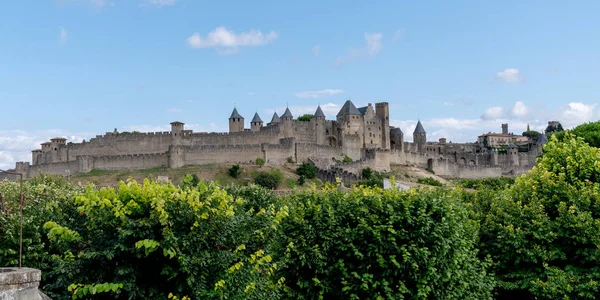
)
(419, 128)
(511, 146)
(256, 118)
(542, 139)
(287, 114)
(348, 109)
(319, 112)
(396, 130)
(362, 110)
(275, 118)
(235, 114)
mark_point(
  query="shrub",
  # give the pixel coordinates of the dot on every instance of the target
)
(543, 232)
(190, 180)
(269, 180)
(497, 183)
(305, 118)
(367, 173)
(234, 171)
(430, 170)
(155, 239)
(347, 159)
(307, 170)
(371, 243)
(260, 162)
(429, 181)
(301, 180)
(371, 178)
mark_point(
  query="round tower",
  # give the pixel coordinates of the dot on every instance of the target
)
(256, 123)
(318, 122)
(236, 121)
(177, 128)
(420, 137)
(287, 120)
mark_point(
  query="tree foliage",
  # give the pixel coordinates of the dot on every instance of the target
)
(305, 118)
(590, 132)
(307, 170)
(532, 135)
(269, 180)
(234, 171)
(260, 162)
(381, 244)
(543, 232)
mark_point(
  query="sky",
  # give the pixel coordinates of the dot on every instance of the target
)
(80, 68)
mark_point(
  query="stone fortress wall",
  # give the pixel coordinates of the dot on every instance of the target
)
(362, 134)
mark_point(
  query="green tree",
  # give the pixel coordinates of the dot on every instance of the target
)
(376, 244)
(307, 170)
(532, 134)
(590, 132)
(305, 118)
(260, 162)
(554, 129)
(543, 232)
(269, 180)
(234, 171)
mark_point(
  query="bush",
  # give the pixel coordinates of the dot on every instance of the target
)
(543, 232)
(155, 239)
(269, 180)
(260, 162)
(301, 180)
(307, 170)
(371, 178)
(429, 181)
(371, 243)
(190, 181)
(347, 159)
(234, 171)
(497, 183)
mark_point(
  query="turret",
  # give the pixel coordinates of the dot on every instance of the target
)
(287, 121)
(396, 139)
(236, 121)
(56, 144)
(275, 120)
(318, 122)
(177, 128)
(350, 118)
(256, 123)
(420, 137)
(539, 145)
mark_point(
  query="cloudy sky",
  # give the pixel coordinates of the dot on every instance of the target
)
(78, 68)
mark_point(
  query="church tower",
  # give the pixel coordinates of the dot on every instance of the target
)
(236, 121)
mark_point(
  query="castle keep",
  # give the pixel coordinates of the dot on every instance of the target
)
(363, 134)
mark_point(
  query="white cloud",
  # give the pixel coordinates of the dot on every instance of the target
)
(493, 113)
(576, 113)
(317, 94)
(63, 36)
(398, 34)
(459, 101)
(161, 3)
(228, 42)
(16, 145)
(373, 45)
(510, 75)
(174, 110)
(316, 50)
(519, 109)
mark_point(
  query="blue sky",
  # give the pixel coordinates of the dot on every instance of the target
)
(77, 68)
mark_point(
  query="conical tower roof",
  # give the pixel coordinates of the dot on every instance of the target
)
(419, 128)
(348, 109)
(275, 118)
(287, 114)
(319, 112)
(235, 114)
(256, 118)
(542, 139)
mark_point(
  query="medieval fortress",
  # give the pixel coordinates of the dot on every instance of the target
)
(362, 134)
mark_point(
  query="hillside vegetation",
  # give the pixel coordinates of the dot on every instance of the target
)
(535, 238)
